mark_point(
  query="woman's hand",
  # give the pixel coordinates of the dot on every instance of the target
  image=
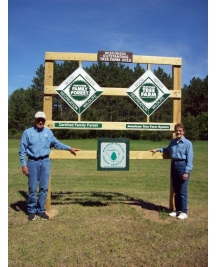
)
(185, 176)
(153, 151)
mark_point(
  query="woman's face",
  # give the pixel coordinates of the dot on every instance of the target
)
(179, 132)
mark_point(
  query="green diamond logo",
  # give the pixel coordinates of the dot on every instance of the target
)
(148, 92)
(79, 90)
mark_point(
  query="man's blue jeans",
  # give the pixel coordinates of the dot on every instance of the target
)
(39, 173)
(180, 186)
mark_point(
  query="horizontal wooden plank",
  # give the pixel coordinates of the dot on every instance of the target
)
(70, 56)
(111, 91)
(93, 57)
(89, 154)
(110, 125)
(157, 60)
(148, 155)
(82, 154)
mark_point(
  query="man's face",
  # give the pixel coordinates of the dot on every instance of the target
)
(179, 132)
(39, 122)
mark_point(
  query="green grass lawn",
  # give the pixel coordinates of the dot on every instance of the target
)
(109, 218)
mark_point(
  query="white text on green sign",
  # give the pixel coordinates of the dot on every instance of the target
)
(148, 92)
(79, 90)
(134, 126)
(78, 125)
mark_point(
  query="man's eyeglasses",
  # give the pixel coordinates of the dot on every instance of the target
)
(40, 119)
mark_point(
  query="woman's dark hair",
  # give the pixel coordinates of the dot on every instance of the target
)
(179, 125)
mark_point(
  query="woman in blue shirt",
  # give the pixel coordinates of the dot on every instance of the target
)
(181, 153)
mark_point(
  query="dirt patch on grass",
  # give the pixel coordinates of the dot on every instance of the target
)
(150, 213)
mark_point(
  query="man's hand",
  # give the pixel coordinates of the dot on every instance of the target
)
(73, 150)
(25, 170)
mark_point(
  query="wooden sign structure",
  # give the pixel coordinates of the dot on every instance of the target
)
(49, 91)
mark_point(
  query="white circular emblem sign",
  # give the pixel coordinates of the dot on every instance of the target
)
(113, 155)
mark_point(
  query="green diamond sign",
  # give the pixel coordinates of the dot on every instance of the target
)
(79, 90)
(148, 92)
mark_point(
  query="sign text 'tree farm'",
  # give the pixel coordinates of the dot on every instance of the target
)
(148, 92)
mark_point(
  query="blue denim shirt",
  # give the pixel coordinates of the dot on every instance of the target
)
(180, 149)
(37, 143)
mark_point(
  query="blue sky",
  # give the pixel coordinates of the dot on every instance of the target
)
(169, 28)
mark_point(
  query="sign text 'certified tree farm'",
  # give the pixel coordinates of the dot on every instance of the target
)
(148, 92)
(79, 90)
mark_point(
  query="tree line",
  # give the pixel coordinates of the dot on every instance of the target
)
(23, 104)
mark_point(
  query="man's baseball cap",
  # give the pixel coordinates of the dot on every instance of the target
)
(40, 114)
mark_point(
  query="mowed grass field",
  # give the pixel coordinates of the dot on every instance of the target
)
(109, 218)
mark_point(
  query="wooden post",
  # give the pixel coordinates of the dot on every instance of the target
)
(148, 68)
(176, 73)
(171, 197)
(48, 199)
(47, 107)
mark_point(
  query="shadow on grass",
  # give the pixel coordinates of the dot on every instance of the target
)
(21, 205)
(149, 206)
(90, 199)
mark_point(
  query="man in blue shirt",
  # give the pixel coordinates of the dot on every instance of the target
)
(181, 153)
(35, 144)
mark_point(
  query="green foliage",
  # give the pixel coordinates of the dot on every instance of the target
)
(192, 127)
(202, 120)
(195, 108)
(21, 109)
(113, 74)
(38, 81)
(163, 77)
(195, 97)
(62, 70)
(24, 103)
